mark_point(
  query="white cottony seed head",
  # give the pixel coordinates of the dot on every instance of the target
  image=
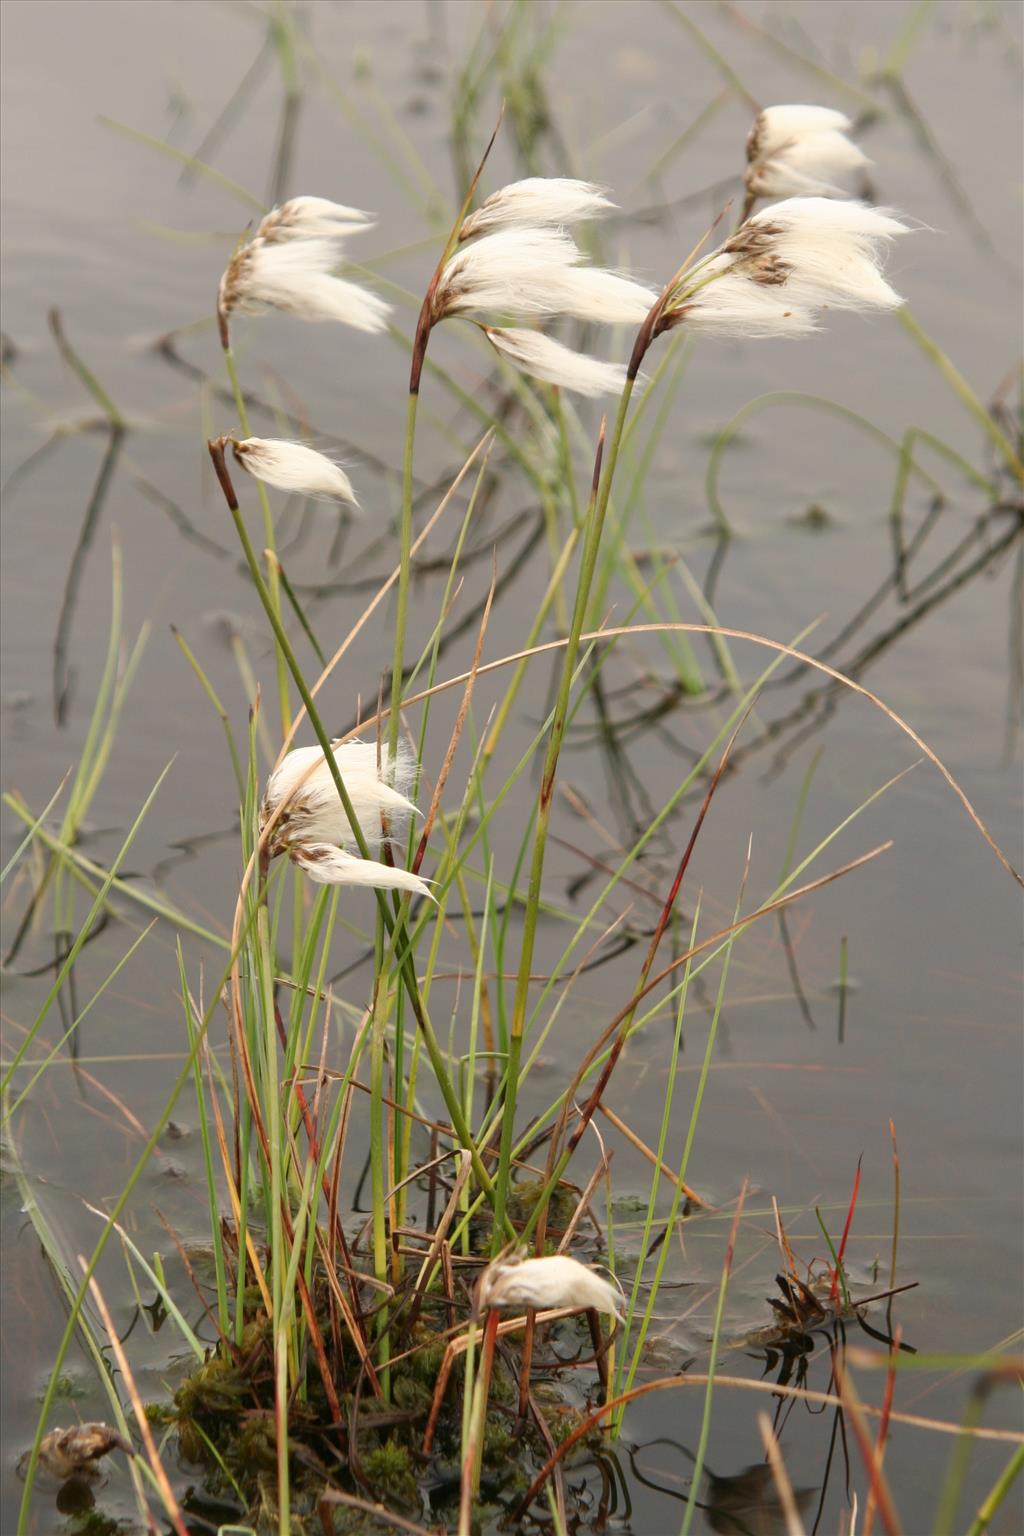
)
(293, 467)
(834, 250)
(328, 865)
(801, 149)
(305, 218)
(556, 1281)
(525, 272)
(312, 809)
(538, 200)
(785, 265)
(543, 358)
(297, 276)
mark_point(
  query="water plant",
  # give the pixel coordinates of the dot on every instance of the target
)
(346, 1364)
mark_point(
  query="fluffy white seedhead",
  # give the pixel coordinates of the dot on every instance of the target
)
(801, 149)
(728, 301)
(328, 865)
(306, 218)
(293, 467)
(297, 276)
(537, 201)
(556, 1281)
(785, 265)
(834, 250)
(312, 809)
(527, 272)
(543, 358)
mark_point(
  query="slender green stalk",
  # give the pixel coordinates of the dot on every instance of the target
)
(960, 386)
(588, 562)
(77, 1301)
(83, 934)
(666, 1116)
(220, 1268)
(705, 1424)
(989, 1506)
(211, 694)
(396, 931)
(83, 868)
(402, 611)
(273, 568)
(378, 1156)
(56, 1049)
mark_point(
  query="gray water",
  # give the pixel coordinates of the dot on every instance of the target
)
(102, 227)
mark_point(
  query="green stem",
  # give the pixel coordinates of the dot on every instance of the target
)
(395, 926)
(1000, 1489)
(377, 1165)
(268, 535)
(956, 380)
(401, 616)
(588, 563)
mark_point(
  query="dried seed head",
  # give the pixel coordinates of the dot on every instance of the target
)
(556, 1281)
(524, 272)
(543, 358)
(328, 865)
(297, 276)
(293, 467)
(305, 218)
(785, 265)
(537, 201)
(801, 150)
(311, 826)
(311, 811)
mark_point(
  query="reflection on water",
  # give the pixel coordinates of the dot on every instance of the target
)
(886, 520)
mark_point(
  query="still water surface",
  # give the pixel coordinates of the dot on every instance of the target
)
(104, 228)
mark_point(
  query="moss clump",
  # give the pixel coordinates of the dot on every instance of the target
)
(523, 1198)
(412, 1394)
(215, 1388)
(389, 1471)
(255, 1449)
(499, 1444)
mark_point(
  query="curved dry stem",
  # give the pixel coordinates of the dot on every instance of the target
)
(617, 631)
(773, 1389)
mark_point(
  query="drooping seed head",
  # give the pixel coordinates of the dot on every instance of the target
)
(303, 790)
(293, 467)
(297, 276)
(545, 1283)
(797, 150)
(306, 218)
(538, 201)
(541, 357)
(328, 865)
(785, 265)
(526, 272)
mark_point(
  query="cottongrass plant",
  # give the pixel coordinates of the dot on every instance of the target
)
(290, 264)
(556, 1280)
(304, 818)
(293, 467)
(331, 1337)
(783, 268)
(797, 150)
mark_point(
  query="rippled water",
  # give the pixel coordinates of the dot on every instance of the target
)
(103, 227)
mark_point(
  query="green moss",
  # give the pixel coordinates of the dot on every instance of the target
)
(524, 1195)
(255, 1448)
(389, 1471)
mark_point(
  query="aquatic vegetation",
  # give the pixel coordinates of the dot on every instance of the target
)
(406, 1297)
